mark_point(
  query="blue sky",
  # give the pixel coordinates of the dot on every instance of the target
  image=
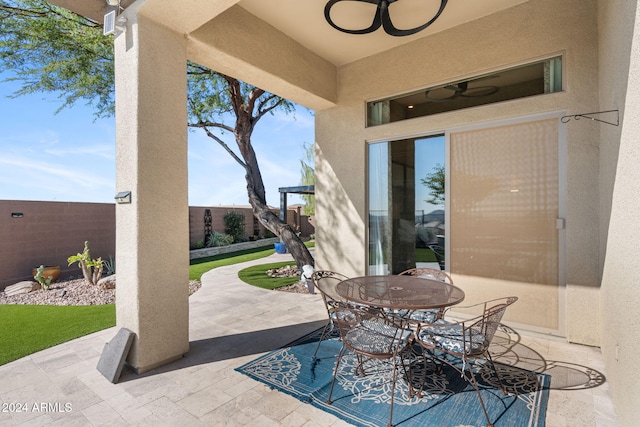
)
(70, 156)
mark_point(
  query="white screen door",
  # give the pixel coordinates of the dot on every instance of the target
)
(504, 210)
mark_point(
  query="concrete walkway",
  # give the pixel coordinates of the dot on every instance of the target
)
(230, 323)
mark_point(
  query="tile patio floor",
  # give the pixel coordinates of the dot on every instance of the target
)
(231, 323)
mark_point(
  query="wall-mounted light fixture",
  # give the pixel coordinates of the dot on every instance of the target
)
(111, 19)
(17, 214)
(123, 197)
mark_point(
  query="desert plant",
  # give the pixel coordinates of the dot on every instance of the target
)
(40, 278)
(219, 239)
(91, 268)
(109, 266)
(234, 226)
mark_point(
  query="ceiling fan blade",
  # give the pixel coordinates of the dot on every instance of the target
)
(376, 23)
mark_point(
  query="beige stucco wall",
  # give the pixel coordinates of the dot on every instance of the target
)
(620, 47)
(532, 30)
(46, 233)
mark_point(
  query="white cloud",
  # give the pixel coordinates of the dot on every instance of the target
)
(105, 151)
(31, 179)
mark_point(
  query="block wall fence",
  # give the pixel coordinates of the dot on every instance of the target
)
(35, 232)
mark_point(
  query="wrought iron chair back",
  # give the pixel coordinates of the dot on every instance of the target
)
(431, 315)
(325, 281)
(467, 340)
(428, 273)
(438, 251)
(371, 333)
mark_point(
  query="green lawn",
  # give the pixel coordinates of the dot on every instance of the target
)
(257, 276)
(27, 329)
(425, 255)
(201, 265)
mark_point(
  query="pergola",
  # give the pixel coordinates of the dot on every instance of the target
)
(284, 191)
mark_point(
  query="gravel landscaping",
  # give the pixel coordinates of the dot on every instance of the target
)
(289, 271)
(72, 292)
(77, 292)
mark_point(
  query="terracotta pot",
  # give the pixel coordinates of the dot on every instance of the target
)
(53, 271)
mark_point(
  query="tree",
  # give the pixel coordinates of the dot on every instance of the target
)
(50, 49)
(308, 178)
(435, 182)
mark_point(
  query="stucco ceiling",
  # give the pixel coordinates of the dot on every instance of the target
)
(303, 20)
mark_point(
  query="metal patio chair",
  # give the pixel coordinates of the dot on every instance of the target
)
(371, 333)
(467, 341)
(438, 251)
(430, 315)
(325, 281)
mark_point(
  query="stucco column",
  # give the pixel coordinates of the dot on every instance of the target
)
(620, 290)
(151, 158)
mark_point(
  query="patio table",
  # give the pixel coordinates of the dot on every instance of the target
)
(403, 294)
(400, 292)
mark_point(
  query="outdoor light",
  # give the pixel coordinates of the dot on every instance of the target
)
(381, 18)
(111, 19)
(123, 197)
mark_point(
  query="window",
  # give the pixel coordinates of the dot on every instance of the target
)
(527, 80)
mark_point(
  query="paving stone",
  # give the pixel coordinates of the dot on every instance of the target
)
(114, 355)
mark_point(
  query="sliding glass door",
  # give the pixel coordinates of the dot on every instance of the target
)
(406, 204)
(500, 186)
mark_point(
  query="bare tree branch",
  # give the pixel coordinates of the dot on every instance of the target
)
(203, 125)
(221, 142)
(262, 111)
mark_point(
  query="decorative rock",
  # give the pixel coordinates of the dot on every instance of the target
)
(21, 288)
(286, 271)
(108, 282)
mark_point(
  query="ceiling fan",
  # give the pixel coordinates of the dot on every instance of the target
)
(462, 89)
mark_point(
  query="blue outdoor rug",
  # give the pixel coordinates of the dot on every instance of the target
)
(447, 399)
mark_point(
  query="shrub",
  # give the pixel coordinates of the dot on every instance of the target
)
(109, 266)
(219, 239)
(234, 226)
